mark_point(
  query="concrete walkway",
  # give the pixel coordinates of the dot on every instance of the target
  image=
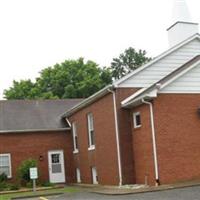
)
(116, 190)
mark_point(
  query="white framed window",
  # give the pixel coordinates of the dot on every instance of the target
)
(75, 137)
(78, 175)
(91, 137)
(5, 164)
(137, 120)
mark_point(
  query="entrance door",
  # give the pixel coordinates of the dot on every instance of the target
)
(94, 175)
(56, 167)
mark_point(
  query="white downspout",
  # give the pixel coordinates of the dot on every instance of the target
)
(117, 137)
(154, 140)
(67, 120)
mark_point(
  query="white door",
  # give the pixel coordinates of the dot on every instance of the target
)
(56, 167)
(94, 175)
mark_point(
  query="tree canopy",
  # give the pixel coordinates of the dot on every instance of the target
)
(127, 62)
(70, 79)
(76, 78)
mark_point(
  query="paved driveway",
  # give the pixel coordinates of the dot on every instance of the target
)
(191, 193)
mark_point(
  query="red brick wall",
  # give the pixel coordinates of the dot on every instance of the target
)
(125, 135)
(142, 147)
(104, 157)
(178, 136)
(22, 146)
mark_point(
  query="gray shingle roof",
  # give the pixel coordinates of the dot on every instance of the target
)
(22, 115)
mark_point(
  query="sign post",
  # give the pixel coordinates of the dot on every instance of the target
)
(33, 176)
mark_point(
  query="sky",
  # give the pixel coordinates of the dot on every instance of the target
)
(35, 34)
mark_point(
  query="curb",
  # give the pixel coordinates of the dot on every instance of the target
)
(144, 190)
(38, 195)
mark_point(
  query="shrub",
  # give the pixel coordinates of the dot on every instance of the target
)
(47, 184)
(12, 186)
(23, 170)
(3, 177)
(3, 186)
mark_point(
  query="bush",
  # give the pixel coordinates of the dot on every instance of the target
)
(13, 186)
(47, 184)
(3, 186)
(23, 170)
(3, 177)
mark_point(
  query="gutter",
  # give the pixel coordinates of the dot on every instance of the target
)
(153, 140)
(88, 101)
(117, 136)
(33, 130)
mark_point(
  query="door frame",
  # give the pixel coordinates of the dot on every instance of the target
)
(61, 152)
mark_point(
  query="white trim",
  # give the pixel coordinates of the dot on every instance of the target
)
(74, 133)
(90, 122)
(195, 36)
(153, 93)
(135, 114)
(9, 162)
(133, 96)
(179, 75)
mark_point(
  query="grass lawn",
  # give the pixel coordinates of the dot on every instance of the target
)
(61, 190)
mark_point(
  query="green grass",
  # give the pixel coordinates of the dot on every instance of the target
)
(46, 192)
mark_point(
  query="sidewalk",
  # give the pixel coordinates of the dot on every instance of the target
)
(116, 190)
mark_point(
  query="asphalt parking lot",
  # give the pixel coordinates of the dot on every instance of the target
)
(189, 193)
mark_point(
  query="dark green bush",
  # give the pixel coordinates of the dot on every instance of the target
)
(3, 177)
(12, 186)
(47, 184)
(23, 170)
(3, 186)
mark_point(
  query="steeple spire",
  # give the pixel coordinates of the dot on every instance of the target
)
(181, 12)
(182, 27)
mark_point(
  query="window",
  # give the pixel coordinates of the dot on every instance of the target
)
(136, 120)
(94, 175)
(91, 131)
(75, 137)
(78, 175)
(5, 164)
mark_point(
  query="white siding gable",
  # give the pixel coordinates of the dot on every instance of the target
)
(164, 66)
(187, 83)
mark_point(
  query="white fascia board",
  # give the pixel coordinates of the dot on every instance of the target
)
(133, 96)
(196, 36)
(179, 75)
(135, 102)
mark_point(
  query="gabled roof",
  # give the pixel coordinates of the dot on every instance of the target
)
(117, 83)
(195, 36)
(151, 92)
(34, 115)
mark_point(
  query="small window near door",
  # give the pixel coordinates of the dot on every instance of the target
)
(137, 120)
(75, 137)
(94, 175)
(78, 175)
(5, 164)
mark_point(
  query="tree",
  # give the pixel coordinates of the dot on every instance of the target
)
(128, 61)
(70, 79)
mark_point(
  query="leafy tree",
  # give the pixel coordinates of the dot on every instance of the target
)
(70, 79)
(128, 61)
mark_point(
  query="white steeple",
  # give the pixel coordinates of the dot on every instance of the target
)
(181, 12)
(182, 27)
